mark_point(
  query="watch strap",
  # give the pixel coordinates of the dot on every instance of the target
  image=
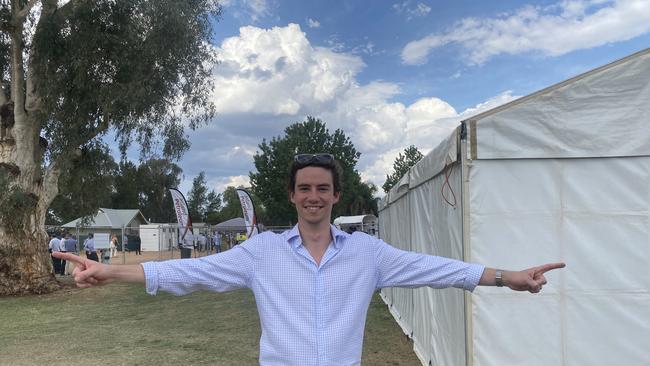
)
(498, 278)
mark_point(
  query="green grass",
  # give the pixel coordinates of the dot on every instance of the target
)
(121, 325)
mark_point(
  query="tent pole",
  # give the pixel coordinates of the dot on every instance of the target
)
(465, 163)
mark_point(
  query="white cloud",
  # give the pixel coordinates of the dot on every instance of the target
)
(368, 48)
(552, 30)
(277, 71)
(253, 9)
(269, 78)
(312, 23)
(220, 184)
(428, 121)
(418, 10)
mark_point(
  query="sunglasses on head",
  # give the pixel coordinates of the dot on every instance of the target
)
(306, 159)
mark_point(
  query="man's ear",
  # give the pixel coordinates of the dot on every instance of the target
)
(291, 197)
(337, 197)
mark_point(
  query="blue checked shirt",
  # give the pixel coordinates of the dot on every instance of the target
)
(310, 314)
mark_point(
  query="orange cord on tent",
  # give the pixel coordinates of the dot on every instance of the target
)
(448, 168)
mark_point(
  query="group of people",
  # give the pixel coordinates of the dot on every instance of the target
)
(201, 242)
(313, 283)
(67, 244)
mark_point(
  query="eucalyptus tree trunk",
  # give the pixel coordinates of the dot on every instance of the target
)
(25, 265)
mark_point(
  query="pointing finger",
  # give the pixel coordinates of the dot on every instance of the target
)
(68, 257)
(548, 267)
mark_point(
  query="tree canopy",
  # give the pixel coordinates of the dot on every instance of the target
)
(401, 166)
(73, 72)
(103, 183)
(311, 136)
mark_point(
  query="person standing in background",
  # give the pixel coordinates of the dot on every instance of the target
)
(70, 245)
(89, 247)
(217, 242)
(113, 246)
(55, 246)
(203, 242)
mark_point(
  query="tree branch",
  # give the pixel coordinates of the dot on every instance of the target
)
(22, 14)
(17, 70)
(51, 182)
(33, 101)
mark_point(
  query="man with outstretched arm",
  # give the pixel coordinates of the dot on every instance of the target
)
(313, 283)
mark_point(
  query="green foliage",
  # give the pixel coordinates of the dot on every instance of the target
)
(137, 68)
(87, 182)
(197, 198)
(95, 180)
(213, 207)
(155, 177)
(15, 204)
(126, 192)
(231, 207)
(401, 166)
(145, 187)
(275, 157)
(125, 65)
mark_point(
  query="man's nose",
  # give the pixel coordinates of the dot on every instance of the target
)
(312, 195)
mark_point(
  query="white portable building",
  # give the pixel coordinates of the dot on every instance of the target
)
(158, 237)
(162, 237)
(560, 175)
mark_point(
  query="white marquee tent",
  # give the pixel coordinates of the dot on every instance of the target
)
(560, 175)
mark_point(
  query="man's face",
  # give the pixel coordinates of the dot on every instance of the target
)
(314, 195)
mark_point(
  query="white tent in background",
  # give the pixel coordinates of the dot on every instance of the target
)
(365, 223)
(560, 175)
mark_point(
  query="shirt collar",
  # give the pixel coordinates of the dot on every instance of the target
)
(293, 236)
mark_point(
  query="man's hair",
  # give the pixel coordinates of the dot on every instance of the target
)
(331, 165)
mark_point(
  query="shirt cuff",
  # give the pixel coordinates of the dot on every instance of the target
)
(474, 273)
(150, 277)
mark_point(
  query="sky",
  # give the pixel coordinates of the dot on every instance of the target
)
(391, 74)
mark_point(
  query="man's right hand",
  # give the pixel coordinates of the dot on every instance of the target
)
(88, 273)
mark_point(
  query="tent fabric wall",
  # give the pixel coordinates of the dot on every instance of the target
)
(434, 319)
(560, 175)
(590, 213)
(605, 112)
(438, 315)
(402, 298)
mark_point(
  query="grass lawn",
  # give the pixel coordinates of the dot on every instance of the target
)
(121, 325)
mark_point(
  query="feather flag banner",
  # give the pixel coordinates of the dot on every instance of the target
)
(186, 231)
(249, 212)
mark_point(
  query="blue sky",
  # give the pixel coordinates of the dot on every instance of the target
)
(391, 73)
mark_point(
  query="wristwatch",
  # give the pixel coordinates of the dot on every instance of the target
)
(498, 278)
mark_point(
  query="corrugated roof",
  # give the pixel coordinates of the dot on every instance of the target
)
(109, 218)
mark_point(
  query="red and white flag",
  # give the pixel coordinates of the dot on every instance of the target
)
(249, 212)
(182, 216)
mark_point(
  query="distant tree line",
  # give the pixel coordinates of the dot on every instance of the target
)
(101, 182)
